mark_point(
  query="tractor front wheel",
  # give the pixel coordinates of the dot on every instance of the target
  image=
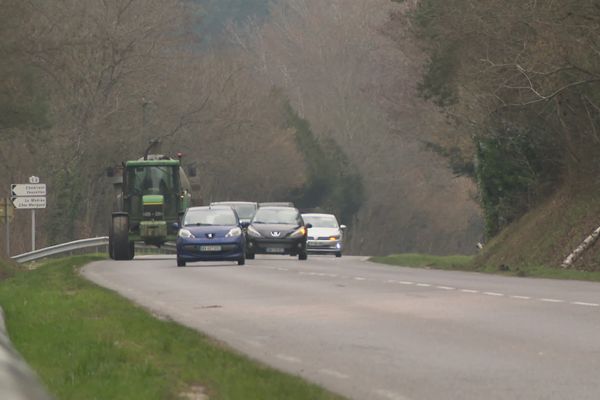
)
(121, 247)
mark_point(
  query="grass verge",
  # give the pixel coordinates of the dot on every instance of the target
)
(467, 263)
(86, 342)
(425, 260)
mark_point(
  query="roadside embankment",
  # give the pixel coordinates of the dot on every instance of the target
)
(17, 380)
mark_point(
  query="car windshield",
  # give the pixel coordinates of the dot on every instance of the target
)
(210, 217)
(321, 221)
(276, 216)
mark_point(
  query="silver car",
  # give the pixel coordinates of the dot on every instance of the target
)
(325, 235)
(244, 209)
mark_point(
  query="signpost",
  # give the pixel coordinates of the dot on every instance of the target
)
(6, 212)
(30, 195)
(38, 189)
(29, 202)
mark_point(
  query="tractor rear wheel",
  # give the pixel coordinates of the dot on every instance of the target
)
(131, 250)
(120, 238)
(110, 242)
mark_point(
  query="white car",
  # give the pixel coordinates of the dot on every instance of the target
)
(325, 235)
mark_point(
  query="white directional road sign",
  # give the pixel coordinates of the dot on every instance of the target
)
(28, 189)
(29, 202)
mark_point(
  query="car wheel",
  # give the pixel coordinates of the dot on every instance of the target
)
(250, 256)
(302, 256)
(241, 261)
(180, 262)
(338, 254)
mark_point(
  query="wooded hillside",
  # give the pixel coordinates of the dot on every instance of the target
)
(519, 84)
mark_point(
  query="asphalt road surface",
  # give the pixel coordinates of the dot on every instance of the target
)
(369, 331)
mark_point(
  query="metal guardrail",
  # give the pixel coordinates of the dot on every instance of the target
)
(76, 245)
(61, 248)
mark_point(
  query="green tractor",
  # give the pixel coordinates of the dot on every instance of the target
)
(152, 194)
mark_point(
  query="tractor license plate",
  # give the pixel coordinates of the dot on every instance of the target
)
(275, 249)
(210, 248)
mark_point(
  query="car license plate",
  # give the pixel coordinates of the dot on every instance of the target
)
(274, 249)
(210, 248)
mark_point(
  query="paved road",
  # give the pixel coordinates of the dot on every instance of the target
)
(369, 331)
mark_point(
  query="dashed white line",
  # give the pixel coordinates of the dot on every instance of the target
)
(393, 281)
(252, 343)
(582, 303)
(389, 394)
(552, 300)
(287, 358)
(333, 373)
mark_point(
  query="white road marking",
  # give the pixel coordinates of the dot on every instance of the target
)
(333, 373)
(382, 392)
(227, 331)
(552, 300)
(581, 303)
(390, 395)
(287, 358)
(252, 343)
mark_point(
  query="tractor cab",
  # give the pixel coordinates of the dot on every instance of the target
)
(152, 190)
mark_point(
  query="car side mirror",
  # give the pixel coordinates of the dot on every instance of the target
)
(308, 226)
(176, 225)
(343, 227)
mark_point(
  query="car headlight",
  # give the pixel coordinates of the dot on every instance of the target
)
(184, 233)
(253, 232)
(334, 237)
(234, 232)
(298, 232)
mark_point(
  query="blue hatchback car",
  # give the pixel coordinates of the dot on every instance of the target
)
(210, 234)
